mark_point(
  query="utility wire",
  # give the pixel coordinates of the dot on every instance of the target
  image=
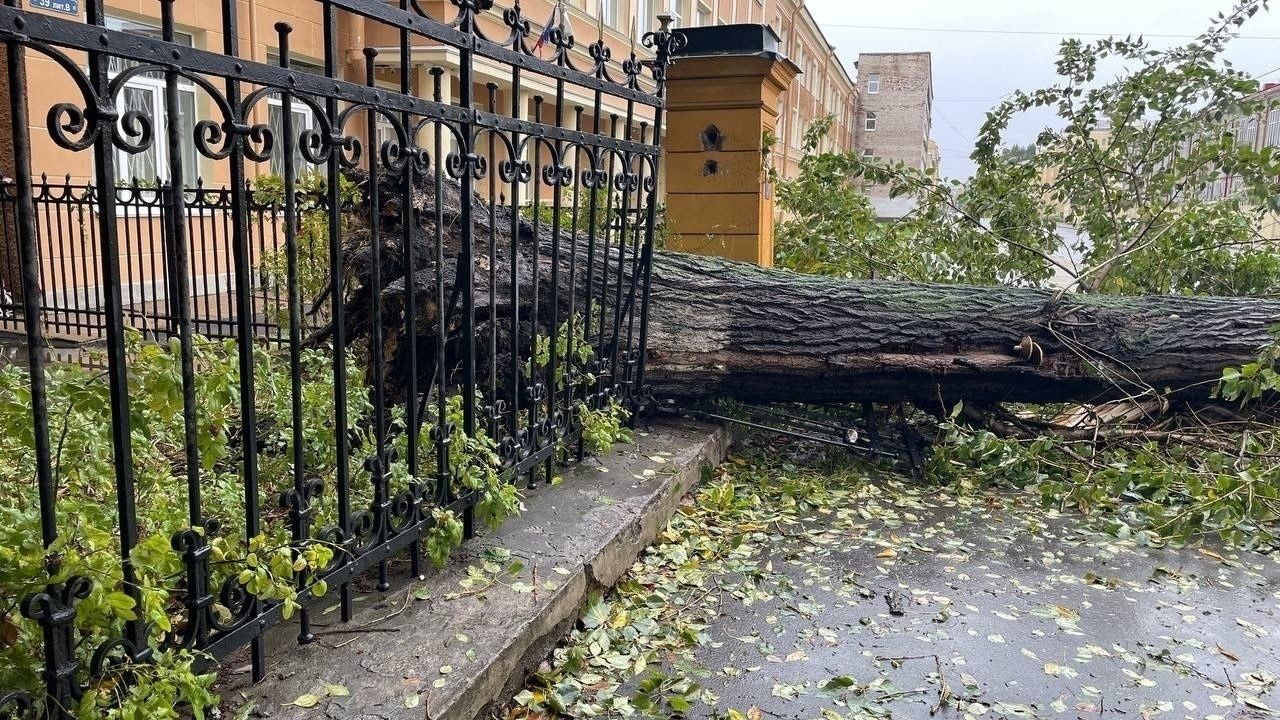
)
(952, 126)
(1053, 33)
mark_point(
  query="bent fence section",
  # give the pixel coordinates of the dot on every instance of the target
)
(263, 411)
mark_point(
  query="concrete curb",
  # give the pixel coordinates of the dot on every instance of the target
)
(413, 666)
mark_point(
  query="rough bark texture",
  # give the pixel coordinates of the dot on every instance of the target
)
(720, 327)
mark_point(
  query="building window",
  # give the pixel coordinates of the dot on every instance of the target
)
(386, 131)
(311, 68)
(703, 18)
(1273, 128)
(303, 119)
(145, 95)
(868, 153)
(870, 122)
(683, 10)
(873, 83)
(645, 16)
(611, 14)
(1248, 132)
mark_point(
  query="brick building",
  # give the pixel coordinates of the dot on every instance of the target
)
(895, 110)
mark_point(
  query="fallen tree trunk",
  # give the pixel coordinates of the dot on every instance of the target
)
(720, 328)
(724, 328)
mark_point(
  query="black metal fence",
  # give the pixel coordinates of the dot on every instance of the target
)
(69, 254)
(190, 494)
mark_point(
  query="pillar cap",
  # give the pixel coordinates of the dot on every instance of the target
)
(744, 39)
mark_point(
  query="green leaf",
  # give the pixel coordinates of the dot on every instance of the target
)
(306, 700)
(336, 690)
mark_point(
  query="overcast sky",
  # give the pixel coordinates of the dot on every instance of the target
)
(972, 71)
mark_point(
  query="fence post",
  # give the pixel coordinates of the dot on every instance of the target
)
(721, 111)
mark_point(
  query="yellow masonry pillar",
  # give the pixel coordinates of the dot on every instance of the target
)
(722, 102)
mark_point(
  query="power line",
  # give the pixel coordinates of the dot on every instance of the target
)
(1262, 75)
(954, 129)
(1053, 33)
(992, 101)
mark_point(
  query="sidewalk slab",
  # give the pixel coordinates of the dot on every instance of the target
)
(451, 658)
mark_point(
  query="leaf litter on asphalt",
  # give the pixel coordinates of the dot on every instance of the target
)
(791, 586)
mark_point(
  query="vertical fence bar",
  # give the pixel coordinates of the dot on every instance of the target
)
(638, 230)
(442, 430)
(466, 256)
(610, 221)
(623, 236)
(536, 388)
(664, 43)
(299, 501)
(378, 463)
(176, 214)
(513, 360)
(57, 243)
(117, 370)
(337, 319)
(28, 256)
(191, 542)
(245, 317)
(95, 242)
(492, 404)
(593, 222)
(10, 279)
(553, 329)
(67, 236)
(571, 370)
(407, 224)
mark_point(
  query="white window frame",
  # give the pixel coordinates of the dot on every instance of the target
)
(1248, 132)
(1273, 128)
(873, 83)
(612, 13)
(703, 16)
(646, 17)
(869, 121)
(275, 102)
(159, 148)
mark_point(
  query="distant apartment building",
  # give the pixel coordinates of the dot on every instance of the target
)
(1258, 131)
(895, 110)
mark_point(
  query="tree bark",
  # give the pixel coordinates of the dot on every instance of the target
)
(721, 328)
(731, 329)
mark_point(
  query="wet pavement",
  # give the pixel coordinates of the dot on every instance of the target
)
(912, 603)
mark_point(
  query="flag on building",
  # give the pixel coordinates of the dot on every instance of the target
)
(559, 19)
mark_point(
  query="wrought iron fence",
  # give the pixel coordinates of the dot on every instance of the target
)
(446, 341)
(68, 252)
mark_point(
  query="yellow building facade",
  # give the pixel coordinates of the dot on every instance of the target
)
(823, 87)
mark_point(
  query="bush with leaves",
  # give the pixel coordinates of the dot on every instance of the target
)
(313, 261)
(829, 225)
(269, 566)
(79, 410)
